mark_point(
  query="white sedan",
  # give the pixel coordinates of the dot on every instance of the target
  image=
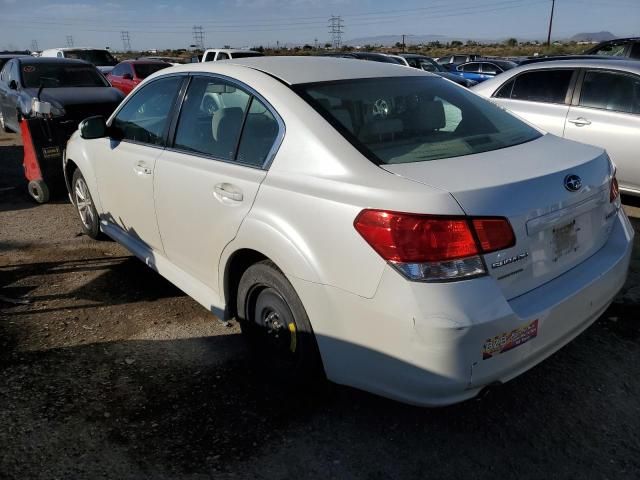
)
(378, 225)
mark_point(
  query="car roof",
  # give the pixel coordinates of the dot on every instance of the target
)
(230, 50)
(630, 65)
(146, 60)
(296, 70)
(66, 49)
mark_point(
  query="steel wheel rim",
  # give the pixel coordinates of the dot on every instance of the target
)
(84, 204)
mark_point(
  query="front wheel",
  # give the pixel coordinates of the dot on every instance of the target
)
(276, 325)
(84, 205)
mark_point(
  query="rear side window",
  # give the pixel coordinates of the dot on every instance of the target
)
(414, 119)
(490, 68)
(144, 117)
(222, 56)
(505, 90)
(611, 50)
(611, 91)
(258, 135)
(545, 86)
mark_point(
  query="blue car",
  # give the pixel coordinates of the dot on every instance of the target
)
(481, 70)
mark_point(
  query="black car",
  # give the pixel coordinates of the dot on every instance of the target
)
(428, 64)
(620, 47)
(5, 57)
(45, 99)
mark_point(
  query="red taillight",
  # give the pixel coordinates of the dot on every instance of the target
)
(413, 238)
(494, 234)
(614, 190)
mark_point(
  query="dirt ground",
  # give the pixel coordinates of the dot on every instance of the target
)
(109, 371)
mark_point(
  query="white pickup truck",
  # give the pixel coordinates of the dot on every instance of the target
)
(215, 54)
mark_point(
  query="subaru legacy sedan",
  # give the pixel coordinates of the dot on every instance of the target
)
(374, 224)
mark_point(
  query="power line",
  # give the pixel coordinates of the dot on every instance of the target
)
(69, 41)
(126, 41)
(198, 36)
(553, 4)
(336, 29)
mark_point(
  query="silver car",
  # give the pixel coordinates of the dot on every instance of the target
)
(590, 101)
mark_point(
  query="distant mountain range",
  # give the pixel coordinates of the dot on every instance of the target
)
(593, 37)
(390, 40)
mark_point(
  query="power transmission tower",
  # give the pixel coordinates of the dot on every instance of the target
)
(126, 41)
(198, 36)
(336, 29)
(553, 4)
(69, 41)
(34, 46)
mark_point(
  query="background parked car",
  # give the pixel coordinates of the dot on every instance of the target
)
(482, 70)
(128, 74)
(620, 47)
(591, 101)
(216, 54)
(5, 57)
(451, 61)
(99, 57)
(428, 64)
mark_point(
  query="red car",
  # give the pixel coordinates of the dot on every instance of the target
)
(128, 74)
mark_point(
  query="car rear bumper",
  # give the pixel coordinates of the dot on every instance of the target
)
(441, 343)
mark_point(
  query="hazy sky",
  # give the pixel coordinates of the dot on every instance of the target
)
(161, 23)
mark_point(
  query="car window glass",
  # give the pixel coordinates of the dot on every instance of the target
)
(459, 58)
(14, 73)
(414, 119)
(611, 91)
(612, 50)
(470, 67)
(413, 62)
(428, 66)
(222, 56)
(145, 116)
(490, 68)
(211, 118)
(258, 135)
(547, 86)
(118, 71)
(444, 60)
(505, 90)
(635, 51)
(3, 73)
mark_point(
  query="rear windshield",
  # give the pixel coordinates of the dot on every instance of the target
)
(246, 54)
(414, 119)
(100, 58)
(56, 75)
(143, 70)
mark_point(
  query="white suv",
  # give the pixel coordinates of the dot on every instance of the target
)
(378, 224)
(216, 54)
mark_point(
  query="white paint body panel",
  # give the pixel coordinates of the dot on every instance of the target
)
(417, 342)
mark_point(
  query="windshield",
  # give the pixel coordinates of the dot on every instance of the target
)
(246, 54)
(414, 119)
(100, 58)
(56, 75)
(143, 70)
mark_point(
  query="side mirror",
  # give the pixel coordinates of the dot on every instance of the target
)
(93, 127)
(127, 76)
(13, 85)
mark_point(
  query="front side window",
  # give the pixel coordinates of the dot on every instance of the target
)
(470, 67)
(118, 71)
(145, 116)
(611, 91)
(546, 86)
(211, 118)
(490, 68)
(222, 56)
(414, 119)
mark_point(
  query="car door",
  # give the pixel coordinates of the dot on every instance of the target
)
(125, 162)
(540, 96)
(128, 82)
(606, 112)
(207, 181)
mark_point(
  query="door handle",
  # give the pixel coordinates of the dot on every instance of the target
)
(142, 169)
(580, 122)
(228, 192)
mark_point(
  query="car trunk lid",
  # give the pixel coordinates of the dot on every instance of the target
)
(555, 228)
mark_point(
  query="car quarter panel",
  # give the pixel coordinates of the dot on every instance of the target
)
(316, 186)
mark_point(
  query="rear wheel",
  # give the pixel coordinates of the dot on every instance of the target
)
(84, 205)
(276, 325)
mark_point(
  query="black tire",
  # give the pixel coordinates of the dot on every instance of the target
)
(89, 219)
(288, 353)
(39, 191)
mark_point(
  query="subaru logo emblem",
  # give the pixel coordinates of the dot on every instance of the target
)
(573, 183)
